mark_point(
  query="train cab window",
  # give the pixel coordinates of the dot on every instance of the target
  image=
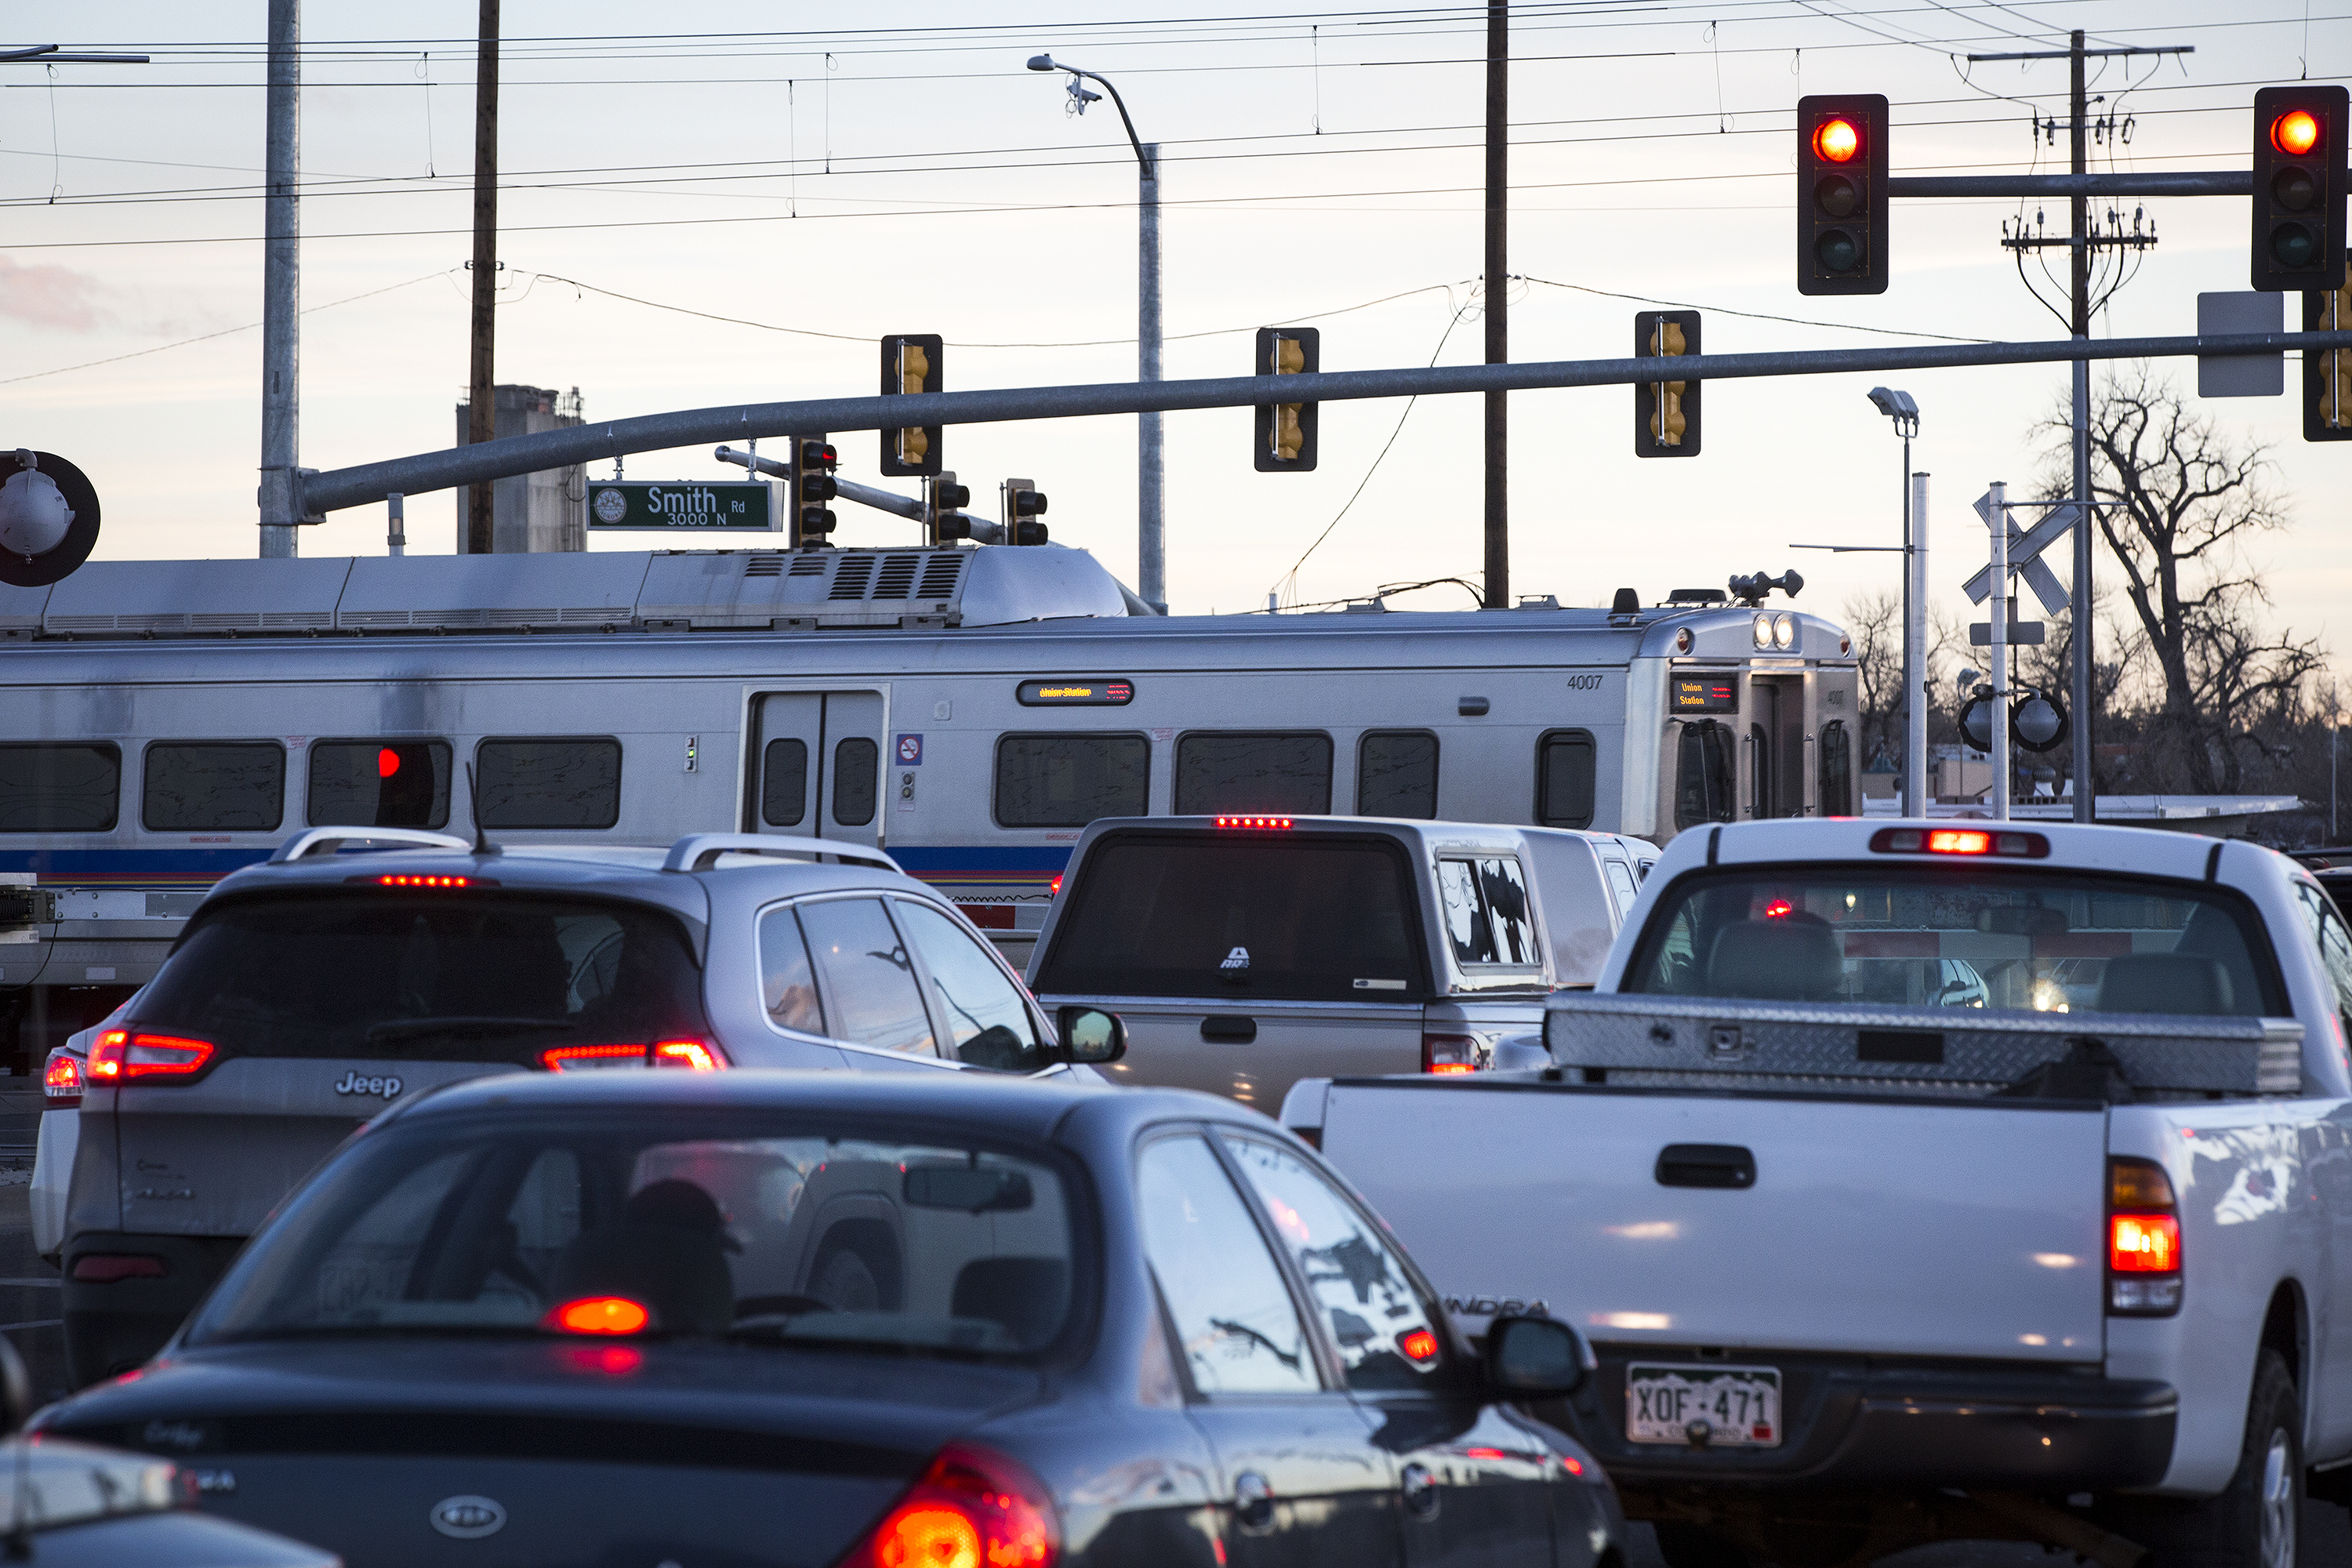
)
(1836, 787)
(1564, 778)
(783, 783)
(550, 781)
(856, 766)
(59, 789)
(1067, 780)
(1703, 788)
(198, 784)
(379, 783)
(1266, 771)
(1396, 774)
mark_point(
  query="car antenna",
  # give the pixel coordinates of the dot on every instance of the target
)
(482, 845)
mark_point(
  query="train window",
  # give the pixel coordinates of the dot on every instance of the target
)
(1067, 780)
(59, 789)
(1702, 775)
(1253, 773)
(1837, 770)
(856, 763)
(379, 783)
(550, 781)
(215, 785)
(1396, 774)
(783, 787)
(1564, 773)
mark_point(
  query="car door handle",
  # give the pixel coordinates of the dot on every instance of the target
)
(1419, 1489)
(1706, 1165)
(1254, 1503)
(1229, 1028)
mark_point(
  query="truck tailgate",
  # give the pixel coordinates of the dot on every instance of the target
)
(1873, 1225)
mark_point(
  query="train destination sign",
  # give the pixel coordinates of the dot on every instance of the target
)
(1706, 694)
(682, 506)
(1075, 692)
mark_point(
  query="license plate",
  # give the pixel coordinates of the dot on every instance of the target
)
(1733, 1407)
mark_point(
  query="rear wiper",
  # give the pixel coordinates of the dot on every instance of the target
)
(407, 1029)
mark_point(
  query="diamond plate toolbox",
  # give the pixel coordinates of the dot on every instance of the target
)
(1913, 1049)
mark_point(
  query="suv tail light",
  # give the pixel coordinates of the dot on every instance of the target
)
(110, 1267)
(2143, 1240)
(121, 1056)
(695, 1056)
(971, 1506)
(61, 1080)
(1451, 1054)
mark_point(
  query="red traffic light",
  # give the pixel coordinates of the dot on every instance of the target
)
(2296, 132)
(1838, 140)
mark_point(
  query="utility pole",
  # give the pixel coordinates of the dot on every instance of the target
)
(2001, 589)
(1498, 334)
(281, 283)
(1916, 799)
(2086, 784)
(481, 407)
(1152, 581)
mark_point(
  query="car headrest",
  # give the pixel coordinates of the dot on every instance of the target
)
(1026, 1295)
(1776, 961)
(2166, 982)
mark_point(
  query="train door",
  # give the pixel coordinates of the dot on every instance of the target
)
(1777, 746)
(820, 766)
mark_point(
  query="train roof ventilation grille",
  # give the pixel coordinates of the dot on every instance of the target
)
(764, 566)
(850, 577)
(896, 578)
(939, 574)
(809, 566)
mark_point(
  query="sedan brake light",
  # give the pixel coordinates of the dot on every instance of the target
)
(974, 1507)
(2143, 1240)
(61, 1080)
(599, 1315)
(121, 1056)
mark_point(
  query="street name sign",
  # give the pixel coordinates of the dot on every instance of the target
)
(682, 506)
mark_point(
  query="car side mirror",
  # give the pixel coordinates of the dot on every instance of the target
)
(1536, 1358)
(1091, 1035)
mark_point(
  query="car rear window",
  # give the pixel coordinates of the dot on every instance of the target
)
(758, 1227)
(1307, 918)
(2041, 938)
(424, 975)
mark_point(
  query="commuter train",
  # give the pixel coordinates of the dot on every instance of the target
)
(970, 709)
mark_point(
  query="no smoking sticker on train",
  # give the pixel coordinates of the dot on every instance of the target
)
(1715, 1408)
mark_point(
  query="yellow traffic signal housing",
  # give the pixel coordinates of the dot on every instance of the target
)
(910, 365)
(2327, 374)
(1665, 412)
(1285, 432)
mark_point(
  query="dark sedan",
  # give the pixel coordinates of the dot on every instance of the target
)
(847, 1319)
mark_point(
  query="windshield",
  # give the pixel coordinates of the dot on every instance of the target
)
(733, 1226)
(1305, 919)
(426, 975)
(2044, 939)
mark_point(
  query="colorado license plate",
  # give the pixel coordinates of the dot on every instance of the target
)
(1714, 1406)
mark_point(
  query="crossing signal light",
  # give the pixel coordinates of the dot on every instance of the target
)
(910, 365)
(1665, 412)
(2300, 134)
(1842, 193)
(1286, 431)
(2327, 374)
(810, 485)
(1024, 503)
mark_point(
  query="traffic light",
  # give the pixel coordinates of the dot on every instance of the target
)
(2299, 179)
(2327, 374)
(910, 363)
(1665, 412)
(1842, 193)
(1024, 503)
(942, 498)
(1286, 431)
(809, 486)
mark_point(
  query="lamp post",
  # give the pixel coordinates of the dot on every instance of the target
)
(1150, 541)
(1900, 408)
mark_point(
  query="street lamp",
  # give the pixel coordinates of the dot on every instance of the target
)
(1150, 573)
(1900, 408)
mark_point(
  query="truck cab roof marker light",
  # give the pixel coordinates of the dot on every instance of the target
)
(1991, 842)
(1261, 824)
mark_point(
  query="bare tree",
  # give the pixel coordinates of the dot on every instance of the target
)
(1874, 621)
(2176, 503)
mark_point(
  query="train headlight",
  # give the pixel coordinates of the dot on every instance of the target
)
(1784, 631)
(1763, 631)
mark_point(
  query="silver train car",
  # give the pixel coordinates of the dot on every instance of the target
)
(970, 709)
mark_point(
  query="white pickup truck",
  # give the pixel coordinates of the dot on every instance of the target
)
(1920, 1182)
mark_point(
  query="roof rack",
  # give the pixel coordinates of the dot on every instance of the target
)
(1696, 597)
(329, 840)
(698, 851)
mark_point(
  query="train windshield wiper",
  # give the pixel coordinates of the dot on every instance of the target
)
(412, 1029)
